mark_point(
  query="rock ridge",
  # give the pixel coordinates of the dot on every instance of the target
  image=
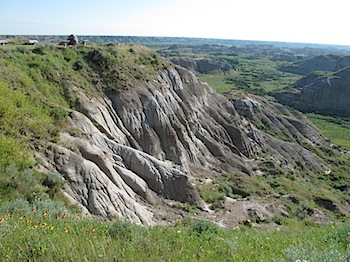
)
(132, 148)
(326, 93)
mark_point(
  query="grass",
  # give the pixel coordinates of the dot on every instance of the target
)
(260, 76)
(334, 128)
(261, 73)
(24, 123)
(45, 235)
(124, 65)
(217, 81)
(257, 76)
(37, 87)
(307, 188)
(36, 90)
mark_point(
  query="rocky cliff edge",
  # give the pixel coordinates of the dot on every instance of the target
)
(132, 149)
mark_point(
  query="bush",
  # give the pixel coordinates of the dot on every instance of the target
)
(201, 226)
(40, 50)
(78, 65)
(121, 229)
(54, 182)
(16, 183)
(303, 211)
(27, 209)
(210, 194)
(28, 184)
(12, 153)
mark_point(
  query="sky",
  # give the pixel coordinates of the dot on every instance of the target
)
(303, 21)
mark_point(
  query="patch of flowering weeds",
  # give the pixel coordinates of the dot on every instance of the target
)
(38, 232)
(43, 221)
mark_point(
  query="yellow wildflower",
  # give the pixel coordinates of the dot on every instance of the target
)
(2, 220)
(65, 230)
(51, 227)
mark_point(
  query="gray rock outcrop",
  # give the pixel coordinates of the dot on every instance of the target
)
(203, 65)
(330, 63)
(130, 149)
(322, 93)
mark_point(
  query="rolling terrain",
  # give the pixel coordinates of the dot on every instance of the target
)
(324, 89)
(117, 131)
(136, 129)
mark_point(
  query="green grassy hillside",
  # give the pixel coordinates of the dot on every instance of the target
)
(37, 91)
(48, 235)
(334, 128)
(257, 76)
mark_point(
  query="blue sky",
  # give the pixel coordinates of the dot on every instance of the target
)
(307, 21)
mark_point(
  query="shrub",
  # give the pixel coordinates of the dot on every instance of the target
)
(210, 194)
(78, 65)
(40, 50)
(303, 211)
(28, 184)
(201, 226)
(37, 206)
(121, 229)
(11, 152)
(54, 183)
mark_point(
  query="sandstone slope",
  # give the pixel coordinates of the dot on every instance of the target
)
(203, 65)
(318, 63)
(325, 93)
(132, 148)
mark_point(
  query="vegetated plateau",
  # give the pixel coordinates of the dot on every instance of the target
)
(116, 131)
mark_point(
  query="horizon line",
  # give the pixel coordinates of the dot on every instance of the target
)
(179, 37)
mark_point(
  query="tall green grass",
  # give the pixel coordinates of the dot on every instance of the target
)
(334, 128)
(36, 90)
(46, 235)
(257, 76)
(218, 82)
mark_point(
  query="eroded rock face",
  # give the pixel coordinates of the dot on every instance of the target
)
(326, 94)
(284, 128)
(132, 148)
(203, 65)
(329, 63)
